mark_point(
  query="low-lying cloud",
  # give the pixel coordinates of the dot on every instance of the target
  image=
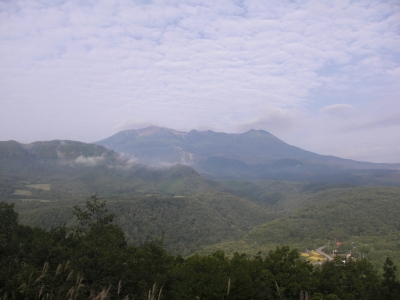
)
(90, 161)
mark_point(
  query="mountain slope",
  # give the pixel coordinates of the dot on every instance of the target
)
(156, 145)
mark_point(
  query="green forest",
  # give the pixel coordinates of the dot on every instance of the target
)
(92, 260)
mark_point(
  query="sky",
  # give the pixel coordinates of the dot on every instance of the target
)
(321, 75)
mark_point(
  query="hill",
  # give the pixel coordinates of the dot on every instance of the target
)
(57, 169)
(252, 155)
(188, 223)
(364, 219)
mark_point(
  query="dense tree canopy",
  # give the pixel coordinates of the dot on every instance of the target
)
(93, 260)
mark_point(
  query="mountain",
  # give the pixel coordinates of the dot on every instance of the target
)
(255, 154)
(57, 169)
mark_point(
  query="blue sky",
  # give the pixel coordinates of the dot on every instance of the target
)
(321, 75)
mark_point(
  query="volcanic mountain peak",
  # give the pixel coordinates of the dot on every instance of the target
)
(152, 130)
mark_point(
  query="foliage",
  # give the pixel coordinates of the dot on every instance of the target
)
(93, 261)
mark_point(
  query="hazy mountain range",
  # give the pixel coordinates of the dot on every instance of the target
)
(255, 154)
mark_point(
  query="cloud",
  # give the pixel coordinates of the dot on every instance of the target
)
(375, 123)
(275, 120)
(338, 110)
(113, 66)
(90, 161)
(134, 124)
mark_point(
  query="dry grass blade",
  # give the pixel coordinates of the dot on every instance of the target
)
(153, 291)
(159, 294)
(58, 269)
(45, 268)
(79, 279)
(109, 287)
(119, 287)
(66, 265)
(41, 291)
(103, 295)
(229, 289)
(70, 292)
(39, 278)
(277, 288)
(69, 275)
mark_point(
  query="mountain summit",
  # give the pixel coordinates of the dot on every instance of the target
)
(158, 145)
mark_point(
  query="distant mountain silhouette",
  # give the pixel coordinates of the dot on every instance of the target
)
(255, 154)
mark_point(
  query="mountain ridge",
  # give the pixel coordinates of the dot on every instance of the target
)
(72, 168)
(257, 154)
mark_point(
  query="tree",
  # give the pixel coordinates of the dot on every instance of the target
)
(390, 286)
(349, 279)
(99, 253)
(286, 274)
(95, 216)
(9, 220)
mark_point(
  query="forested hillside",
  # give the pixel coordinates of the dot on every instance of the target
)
(188, 223)
(279, 213)
(92, 260)
(364, 219)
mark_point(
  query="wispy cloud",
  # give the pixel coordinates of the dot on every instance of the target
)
(338, 110)
(275, 120)
(381, 122)
(90, 161)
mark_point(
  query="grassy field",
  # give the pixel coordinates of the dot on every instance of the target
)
(313, 257)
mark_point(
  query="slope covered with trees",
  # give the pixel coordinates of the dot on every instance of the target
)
(92, 260)
(188, 222)
(364, 219)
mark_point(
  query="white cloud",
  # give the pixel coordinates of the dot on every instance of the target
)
(90, 161)
(338, 110)
(275, 120)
